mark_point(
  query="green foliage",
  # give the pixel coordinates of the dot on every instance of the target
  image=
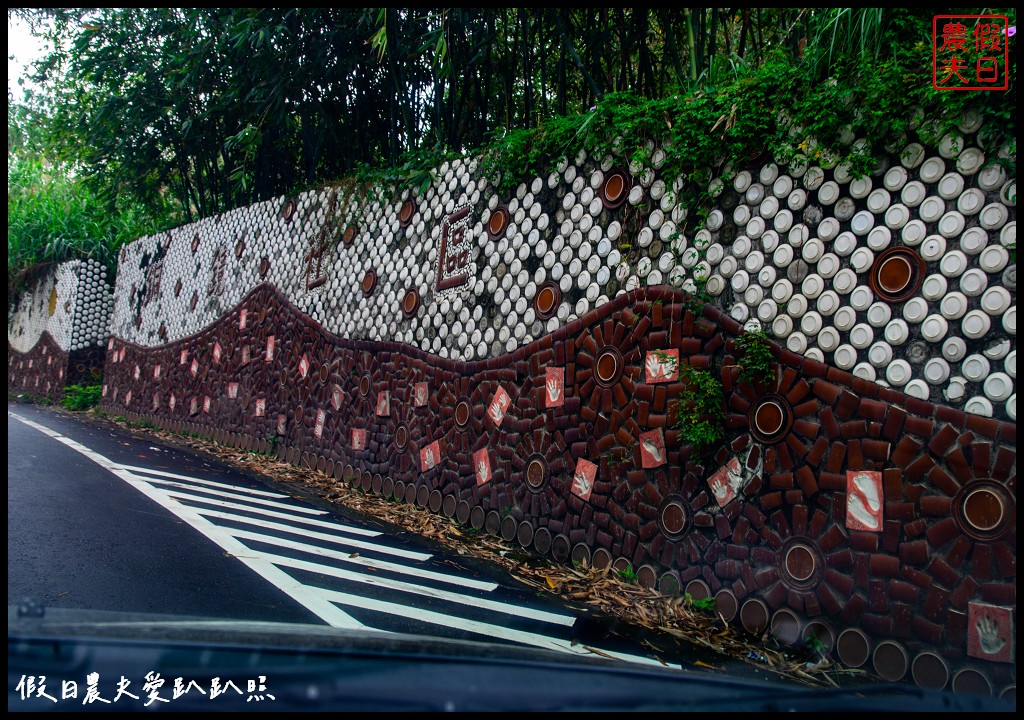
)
(699, 411)
(706, 603)
(756, 361)
(79, 397)
(627, 574)
(815, 645)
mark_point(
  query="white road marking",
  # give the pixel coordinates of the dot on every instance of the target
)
(473, 626)
(364, 561)
(233, 496)
(313, 534)
(454, 597)
(199, 481)
(273, 513)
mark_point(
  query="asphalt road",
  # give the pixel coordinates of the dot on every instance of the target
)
(99, 519)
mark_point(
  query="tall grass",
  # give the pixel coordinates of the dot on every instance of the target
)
(53, 216)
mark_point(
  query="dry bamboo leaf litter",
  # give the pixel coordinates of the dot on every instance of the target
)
(605, 593)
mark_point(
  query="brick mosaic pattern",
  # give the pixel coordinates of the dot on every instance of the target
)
(39, 372)
(777, 533)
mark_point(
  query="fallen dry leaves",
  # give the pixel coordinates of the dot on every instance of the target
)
(602, 592)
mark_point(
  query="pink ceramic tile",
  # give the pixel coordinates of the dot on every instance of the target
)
(554, 387)
(110, 344)
(194, 368)
(358, 439)
(652, 449)
(430, 456)
(217, 352)
(383, 403)
(420, 394)
(318, 427)
(864, 500)
(662, 366)
(498, 407)
(245, 355)
(270, 348)
(336, 397)
(726, 481)
(173, 402)
(122, 353)
(282, 424)
(482, 466)
(156, 371)
(583, 479)
(304, 366)
(156, 400)
(232, 390)
(206, 404)
(242, 317)
(184, 357)
(104, 391)
(127, 396)
(193, 406)
(261, 407)
(136, 373)
(990, 632)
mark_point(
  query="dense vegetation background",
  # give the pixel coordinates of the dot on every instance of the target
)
(152, 117)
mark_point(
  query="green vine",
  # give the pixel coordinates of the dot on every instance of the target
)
(699, 413)
(756, 361)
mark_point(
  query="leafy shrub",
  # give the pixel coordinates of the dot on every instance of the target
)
(81, 397)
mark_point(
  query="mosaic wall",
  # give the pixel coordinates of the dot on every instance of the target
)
(56, 331)
(902, 277)
(514, 362)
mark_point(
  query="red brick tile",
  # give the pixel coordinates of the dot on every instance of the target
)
(784, 458)
(903, 592)
(963, 594)
(935, 603)
(903, 511)
(805, 477)
(825, 391)
(828, 422)
(876, 449)
(878, 600)
(817, 451)
(894, 420)
(892, 483)
(919, 468)
(832, 481)
(951, 415)
(919, 426)
(847, 405)
(1008, 432)
(813, 368)
(836, 456)
(1006, 561)
(942, 572)
(942, 532)
(943, 440)
(884, 566)
(808, 408)
(935, 506)
(798, 392)
(872, 409)
(867, 542)
(940, 478)
(1005, 459)
(987, 427)
(999, 593)
(854, 456)
(921, 579)
(842, 584)
(920, 407)
(958, 553)
(853, 429)
(865, 387)
(839, 376)
(957, 462)
(927, 631)
(906, 450)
